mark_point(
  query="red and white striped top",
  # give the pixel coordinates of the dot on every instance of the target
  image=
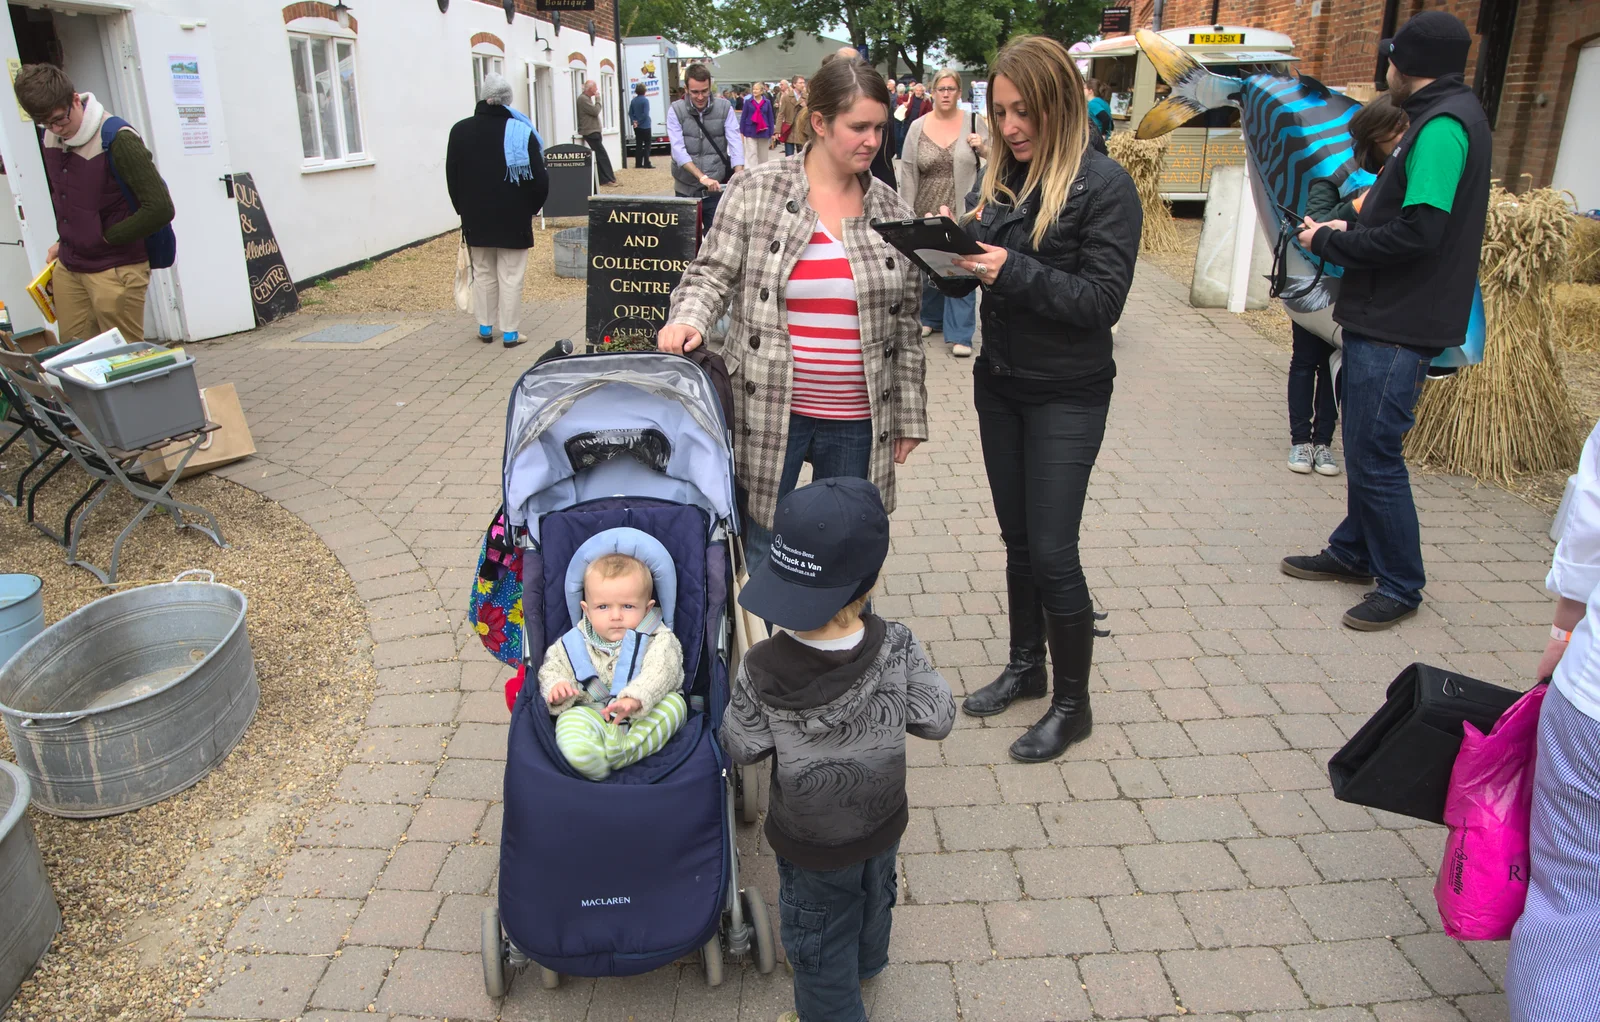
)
(830, 381)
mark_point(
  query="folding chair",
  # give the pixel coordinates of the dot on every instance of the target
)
(103, 465)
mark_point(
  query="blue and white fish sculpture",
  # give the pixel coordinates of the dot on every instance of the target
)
(1296, 131)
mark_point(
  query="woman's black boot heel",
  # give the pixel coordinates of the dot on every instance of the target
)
(1068, 720)
(1024, 676)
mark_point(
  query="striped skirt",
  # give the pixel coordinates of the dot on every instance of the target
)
(1553, 974)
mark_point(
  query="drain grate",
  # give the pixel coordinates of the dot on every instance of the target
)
(346, 333)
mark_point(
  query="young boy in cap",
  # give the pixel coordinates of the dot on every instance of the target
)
(832, 701)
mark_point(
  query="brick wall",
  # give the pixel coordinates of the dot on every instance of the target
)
(1538, 85)
(578, 21)
(312, 9)
(1339, 46)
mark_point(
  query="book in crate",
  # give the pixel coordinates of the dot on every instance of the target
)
(121, 367)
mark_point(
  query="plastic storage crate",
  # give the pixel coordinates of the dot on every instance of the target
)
(140, 410)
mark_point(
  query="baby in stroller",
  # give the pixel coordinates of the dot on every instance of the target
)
(620, 655)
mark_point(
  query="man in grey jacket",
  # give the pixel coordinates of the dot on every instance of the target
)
(832, 703)
(589, 126)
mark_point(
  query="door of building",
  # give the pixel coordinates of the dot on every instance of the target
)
(1580, 143)
(188, 134)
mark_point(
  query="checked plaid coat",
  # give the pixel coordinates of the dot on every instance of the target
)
(762, 225)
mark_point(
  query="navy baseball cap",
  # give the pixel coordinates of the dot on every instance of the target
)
(829, 540)
(1431, 45)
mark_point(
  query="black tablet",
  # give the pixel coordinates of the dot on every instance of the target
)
(932, 243)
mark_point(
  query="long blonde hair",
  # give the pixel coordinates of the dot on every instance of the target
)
(1052, 90)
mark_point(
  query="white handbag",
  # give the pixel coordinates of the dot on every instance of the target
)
(463, 277)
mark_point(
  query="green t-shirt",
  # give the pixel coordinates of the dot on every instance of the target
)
(1434, 164)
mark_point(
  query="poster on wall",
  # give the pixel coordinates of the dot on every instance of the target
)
(272, 293)
(189, 93)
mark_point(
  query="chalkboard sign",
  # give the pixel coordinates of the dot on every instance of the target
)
(271, 291)
(571, 170)
(638, 248)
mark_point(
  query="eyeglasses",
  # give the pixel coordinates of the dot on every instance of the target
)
(60, 120)
(947, 88)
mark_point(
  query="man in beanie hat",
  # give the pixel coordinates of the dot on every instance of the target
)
(832, 703)
(1411, 264)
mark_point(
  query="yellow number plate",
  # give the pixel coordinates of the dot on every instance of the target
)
(1216, 38)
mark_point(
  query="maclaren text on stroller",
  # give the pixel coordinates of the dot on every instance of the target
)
(618, 877)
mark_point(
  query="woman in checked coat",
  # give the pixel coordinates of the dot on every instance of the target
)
(824, 351)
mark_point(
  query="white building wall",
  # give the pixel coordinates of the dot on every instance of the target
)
(414, 73)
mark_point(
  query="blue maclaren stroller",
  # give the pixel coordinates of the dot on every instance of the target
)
(622, 876)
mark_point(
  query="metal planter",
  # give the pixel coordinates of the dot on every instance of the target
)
(131, 699)
(21, 612)
(26, 904)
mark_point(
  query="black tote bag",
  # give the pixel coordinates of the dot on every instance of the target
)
(1401, 759)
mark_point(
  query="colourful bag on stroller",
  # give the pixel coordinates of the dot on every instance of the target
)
(1483, 881)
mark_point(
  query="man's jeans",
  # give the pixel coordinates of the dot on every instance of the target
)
(835, 447)
(1380, 384)
(835, 928)
(956, 317)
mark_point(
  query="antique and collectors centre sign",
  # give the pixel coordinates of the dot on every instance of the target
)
(638, 249)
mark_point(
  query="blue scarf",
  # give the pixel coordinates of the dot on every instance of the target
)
(519, 162)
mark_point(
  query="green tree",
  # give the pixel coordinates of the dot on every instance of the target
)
(699, 25)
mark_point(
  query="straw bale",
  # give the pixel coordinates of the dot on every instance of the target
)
(1141, 158)
(1512, 414)
(1577, 316)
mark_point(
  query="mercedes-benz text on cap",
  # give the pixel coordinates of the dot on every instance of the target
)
(829, 541)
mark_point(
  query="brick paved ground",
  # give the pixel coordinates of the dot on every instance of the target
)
(1187, 854)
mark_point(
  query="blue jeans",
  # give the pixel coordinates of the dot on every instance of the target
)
(789, 148)
(835, 447)
(835, 928)
(955, 316)
(1380, 384)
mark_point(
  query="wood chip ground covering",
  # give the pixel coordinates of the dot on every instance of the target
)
(148, 896)
(422, 279)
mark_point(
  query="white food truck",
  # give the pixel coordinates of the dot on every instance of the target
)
(653, 61)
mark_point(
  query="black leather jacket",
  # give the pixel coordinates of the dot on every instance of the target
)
(1048, 315)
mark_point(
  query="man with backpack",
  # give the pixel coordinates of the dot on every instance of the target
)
(113, 211)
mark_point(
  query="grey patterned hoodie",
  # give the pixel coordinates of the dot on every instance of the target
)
(836, 725)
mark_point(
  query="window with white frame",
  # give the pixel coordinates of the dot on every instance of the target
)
(485, 63)
(580, 78)
(608, 99)
(326, 94)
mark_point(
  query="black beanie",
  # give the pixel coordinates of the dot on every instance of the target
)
(1431, 45)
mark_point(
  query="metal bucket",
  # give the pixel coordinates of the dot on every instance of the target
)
(26, 904)
(131, 699)
(21, 612)
(572, 252)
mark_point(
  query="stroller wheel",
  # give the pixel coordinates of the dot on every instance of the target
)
(549, 978)
(494, 962)
(747, 795)
(711, 957)
(755, 913)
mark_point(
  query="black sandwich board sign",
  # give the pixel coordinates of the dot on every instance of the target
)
(639, 247)
(272, 293)
(571, 169)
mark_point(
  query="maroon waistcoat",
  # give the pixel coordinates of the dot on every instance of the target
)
(87, 200)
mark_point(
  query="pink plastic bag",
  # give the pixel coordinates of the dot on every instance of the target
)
(1483, 882)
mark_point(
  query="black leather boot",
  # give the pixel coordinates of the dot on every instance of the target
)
(1024, 676)
(1068, 719)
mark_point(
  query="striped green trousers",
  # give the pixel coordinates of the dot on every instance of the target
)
(595, 747)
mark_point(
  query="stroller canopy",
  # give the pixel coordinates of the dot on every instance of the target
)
(632, 424)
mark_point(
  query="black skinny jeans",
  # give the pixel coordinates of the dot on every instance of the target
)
(1038, 458)
(1312, 412)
